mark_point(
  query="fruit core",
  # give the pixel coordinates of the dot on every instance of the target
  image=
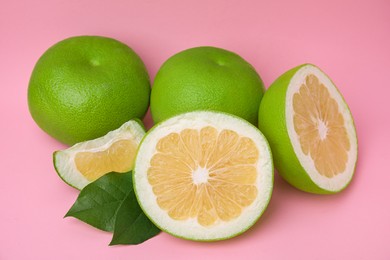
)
(200, 175)
(204, 174)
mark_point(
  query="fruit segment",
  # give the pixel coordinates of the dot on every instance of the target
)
(87, 161)
(204, 174)
(119, 157)
(320, 127)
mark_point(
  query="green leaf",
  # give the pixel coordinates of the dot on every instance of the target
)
(131, 225)
(109, 204)
(98, 202)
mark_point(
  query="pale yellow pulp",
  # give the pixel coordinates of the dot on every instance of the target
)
(119, 157)
(204, 174)
(320, 127)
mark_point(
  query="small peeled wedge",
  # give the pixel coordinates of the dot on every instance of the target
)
(87, 161)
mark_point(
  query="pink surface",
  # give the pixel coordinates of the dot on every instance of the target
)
(349, 40)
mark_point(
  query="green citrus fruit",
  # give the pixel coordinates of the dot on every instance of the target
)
(203, 175)
(87, 161)
(83, 87)
(206, 78)
(310, 130)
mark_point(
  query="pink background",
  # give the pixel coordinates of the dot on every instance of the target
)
(350, 40)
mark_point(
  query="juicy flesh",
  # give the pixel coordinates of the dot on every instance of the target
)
(320, 127)
(204, 174)
(119, 157)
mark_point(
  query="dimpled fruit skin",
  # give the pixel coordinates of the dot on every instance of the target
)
(206, 78)
(85, 86)
(272, 123)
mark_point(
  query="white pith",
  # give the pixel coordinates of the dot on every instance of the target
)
(190, 228)
(342, 179)
(64, 160)
(200, 175)
(322, 129)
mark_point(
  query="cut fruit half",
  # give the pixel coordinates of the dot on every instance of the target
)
(310, 130)
(204, 175)
(87, 161)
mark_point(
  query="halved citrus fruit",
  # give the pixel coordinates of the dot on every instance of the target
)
(204, 175)
(310, 130)
(85, 162)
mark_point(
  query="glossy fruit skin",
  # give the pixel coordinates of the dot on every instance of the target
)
(272, 123)
(85, 86)
(206, 78)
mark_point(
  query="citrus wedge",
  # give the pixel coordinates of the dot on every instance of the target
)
(85, 162)
(204, 175)
(310, 130)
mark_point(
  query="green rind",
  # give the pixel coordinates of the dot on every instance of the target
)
(206, 78)
(216, 239)
(272, 122)
(115, 88)
(58, 172)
